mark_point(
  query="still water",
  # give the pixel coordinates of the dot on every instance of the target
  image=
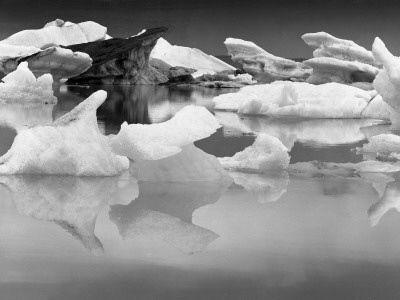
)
(269, 236)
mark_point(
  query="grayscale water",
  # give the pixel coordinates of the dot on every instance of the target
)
(270, 236)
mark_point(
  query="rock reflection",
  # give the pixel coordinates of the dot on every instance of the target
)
(265, 187)
(163, 211)
(71, 202)
(389, 200)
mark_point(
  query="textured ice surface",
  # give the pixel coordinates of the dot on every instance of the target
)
(157, 141)
(264, 66)
(300, 99)
(177, 56)
(22, 86)
(377, 109)
(58, 35)
(343, 169)
(327, 45)
(268, 187)
(70, 202)
(387, 82)
(72, 145)
(338, 60)
(383, 143)
(266, 153)
(190, 164)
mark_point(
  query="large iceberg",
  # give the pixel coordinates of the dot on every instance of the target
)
(21, 86)
(387, 82)
(178, 56)
(266, 153)
(56, 34)
(121, 61)
(262, 65)
(338, 60)
(299, 99)
(165, 151)
(72, 145)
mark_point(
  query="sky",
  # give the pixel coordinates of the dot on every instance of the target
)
(275, 25)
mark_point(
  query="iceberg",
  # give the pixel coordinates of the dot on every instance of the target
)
(178, 56)
(327, 45)
(387, 82)
(70, 202)
(72, 145)
(165, 151)
(342, 169)
(297, 99)
(21, 86)
(121, 61)
(263, 66)
(382, 143)
(329, 69)
(339, 60)
(266, 153)
(377, 109)
(55, 35)
(163, 211)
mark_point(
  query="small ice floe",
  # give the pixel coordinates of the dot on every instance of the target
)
(384, 147)
(163, 211)
(342, 169)
(178, 56)
(387, 82)
(72, 145)
(21, 86)
(297, 99)
(165, 151)
(267, 187)
(263, 66)
(266, 153)
(70, 202)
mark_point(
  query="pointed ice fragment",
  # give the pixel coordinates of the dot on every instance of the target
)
(72, 145)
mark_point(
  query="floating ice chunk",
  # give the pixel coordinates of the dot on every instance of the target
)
(242, 78)
(343, 169)
(190, 164)
(72, 145)
(300, 99)
(377, 109)
(22, 86)
(264, 66)
(266, 153)
(163, 211)
(71, 202)
(383, 143)
(157, 141)
(58, 35)
(268, 187)
(387, 82)
(177, 56)
(329, 46)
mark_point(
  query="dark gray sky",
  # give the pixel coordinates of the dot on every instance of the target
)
(274, 25)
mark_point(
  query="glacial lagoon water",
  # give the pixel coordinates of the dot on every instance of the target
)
(266, 236)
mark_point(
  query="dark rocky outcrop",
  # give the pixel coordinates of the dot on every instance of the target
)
(121, 61)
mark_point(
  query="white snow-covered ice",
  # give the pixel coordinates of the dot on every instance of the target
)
(21, 86)
(72, 145)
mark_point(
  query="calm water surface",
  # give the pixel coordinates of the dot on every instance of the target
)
(270, 236)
